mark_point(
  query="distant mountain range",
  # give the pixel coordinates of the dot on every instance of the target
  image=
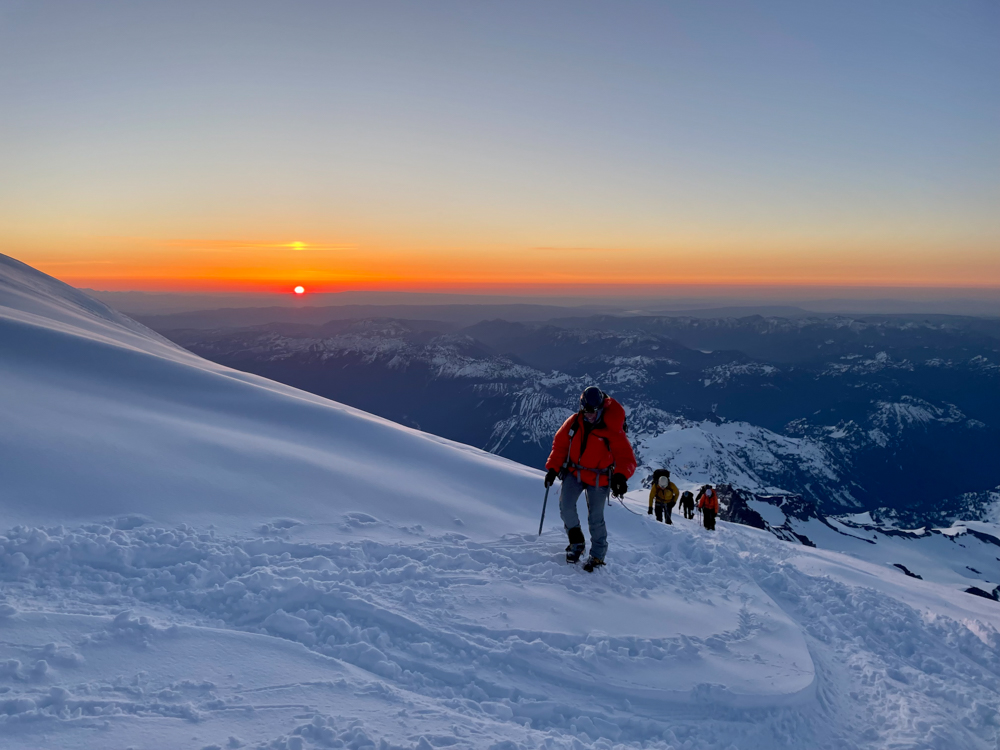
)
(852, 413)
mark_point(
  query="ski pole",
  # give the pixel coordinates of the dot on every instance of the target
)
(544, 503)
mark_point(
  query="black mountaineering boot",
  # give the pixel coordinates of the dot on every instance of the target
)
(593, 562)
(576, 544)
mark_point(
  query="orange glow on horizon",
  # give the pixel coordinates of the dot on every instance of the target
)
(320, 285)
(243, 266)
(674, 287)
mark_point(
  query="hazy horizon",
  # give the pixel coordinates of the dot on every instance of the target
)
(940, 300)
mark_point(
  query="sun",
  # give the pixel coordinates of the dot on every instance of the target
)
(300, 290)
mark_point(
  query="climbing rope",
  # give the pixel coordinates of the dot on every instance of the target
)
(627, 508)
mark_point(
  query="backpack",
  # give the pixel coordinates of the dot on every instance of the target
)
(624, 419)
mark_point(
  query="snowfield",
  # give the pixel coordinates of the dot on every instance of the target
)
(198, 558)
(104, 417)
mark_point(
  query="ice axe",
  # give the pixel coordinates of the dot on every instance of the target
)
(544, 503)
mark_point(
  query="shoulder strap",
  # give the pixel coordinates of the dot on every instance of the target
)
(569, 448)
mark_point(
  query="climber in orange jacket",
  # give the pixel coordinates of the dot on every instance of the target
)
(591, 454)
(708, 502)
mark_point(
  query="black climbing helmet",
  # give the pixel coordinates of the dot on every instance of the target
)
(591, 399)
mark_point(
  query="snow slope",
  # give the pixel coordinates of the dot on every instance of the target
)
(104, 417)
(964, 555)
(197, 558)
(178, 637)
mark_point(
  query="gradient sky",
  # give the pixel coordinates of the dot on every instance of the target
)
(467, 145)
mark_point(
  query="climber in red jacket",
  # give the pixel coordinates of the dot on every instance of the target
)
(708, 502)
(591, 454)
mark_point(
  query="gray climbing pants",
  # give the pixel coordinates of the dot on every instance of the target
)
(597, 498)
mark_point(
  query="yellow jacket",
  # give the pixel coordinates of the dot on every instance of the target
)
(667, 495)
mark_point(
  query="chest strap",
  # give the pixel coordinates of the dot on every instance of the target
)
(571, 465)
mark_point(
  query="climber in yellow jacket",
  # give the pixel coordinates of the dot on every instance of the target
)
(663, 495)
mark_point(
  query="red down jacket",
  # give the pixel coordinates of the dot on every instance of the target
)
(602, 446)
(708, 500)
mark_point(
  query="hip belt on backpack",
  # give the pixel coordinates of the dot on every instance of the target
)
(570, 466)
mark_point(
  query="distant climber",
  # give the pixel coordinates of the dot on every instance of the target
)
(663, 495)
(708, 502)
(591, 454)
(687, 503)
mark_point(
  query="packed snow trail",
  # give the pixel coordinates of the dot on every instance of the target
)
(686, 640)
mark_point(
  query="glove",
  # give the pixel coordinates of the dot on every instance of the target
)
(618, 485)
(649, 512)
(550, 477)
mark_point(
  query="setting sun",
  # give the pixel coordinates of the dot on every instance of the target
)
(300, 290)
